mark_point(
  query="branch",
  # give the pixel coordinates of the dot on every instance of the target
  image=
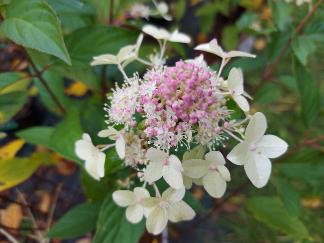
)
(8, 236)
(39, 75)
(272, 66)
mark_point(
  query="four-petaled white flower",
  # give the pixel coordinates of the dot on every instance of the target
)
(162, 9)
(236, 89)
(254, 152)
(163, 165)
(132, 200)
(212, 172)
(113, 134)
(168, 207)
(214, 48)
(125, 55)
(163, 34)
(93, 157)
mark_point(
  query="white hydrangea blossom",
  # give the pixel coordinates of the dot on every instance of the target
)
(171, 109)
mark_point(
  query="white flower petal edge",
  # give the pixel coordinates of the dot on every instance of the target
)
(168, 207)
(133, 201)
(214, 48)
(236, 89)
(113, 134)
(163, 34)
(163, 165)
(93, 157)
(254, 152)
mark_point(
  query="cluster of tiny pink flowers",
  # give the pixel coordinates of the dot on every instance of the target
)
(177, 99)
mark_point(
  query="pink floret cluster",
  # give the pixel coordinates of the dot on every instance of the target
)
(174, 100)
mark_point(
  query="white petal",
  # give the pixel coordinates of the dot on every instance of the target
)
(239, 54)
(175, 162)
(203, 47)
(198, 182)
(173, 195)
(157, 221)
(195, 168)
(258, 169)
(224, 172)
(238, 154)
(141, 193)
(125, 53)
(134, 213)
(91, 167)
(235, 81)
(101, 164)
(214, 184)
(271, 146)
(215, 157)
(216, 49)
(150, 202)
(104, 59)
(179, 37)
(242, 102)
(157, 33)
(180, 211)
(172, 176)
(108, 133)
(256, 127)
(86, 137)
(121, 147)
(83, 149)
(153, 171)
(156, 155)
(187, 181)
(124, 198)
(139, 43)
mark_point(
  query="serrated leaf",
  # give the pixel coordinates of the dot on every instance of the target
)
(38, 28)
(302, 47)
(76, 222)
(289, 196)
(10, 104)
(37, 135)
(16, 170)
(112, 225)
(309, 93)
(65, 135)
(273, 213)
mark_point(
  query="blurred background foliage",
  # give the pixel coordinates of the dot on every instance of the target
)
(50, 95)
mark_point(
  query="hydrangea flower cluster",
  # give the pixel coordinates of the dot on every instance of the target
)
(171, 109)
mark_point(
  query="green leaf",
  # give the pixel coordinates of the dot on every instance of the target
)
(281, 14)
(309, 93)
(88, 42)
(76, 222)
(34, 24)
(230, 37)
(273, 213)
(71, 7)
(65, 135)
(37, 135)
(112, 225)
(9, 78)
(16, 170)
(303, 46)
(10, 104)
(93, 189)
(269, 93)
(288, 195)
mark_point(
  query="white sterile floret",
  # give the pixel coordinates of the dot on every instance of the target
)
(214, 48)
(113, 134)
(140, 10)
(163, 34)
(132, 200)
(168, 207)
(236, 89)
(162, 9)
(93, 157)
(254, 152)
(163, 165)
(125, 55)
(212, 172)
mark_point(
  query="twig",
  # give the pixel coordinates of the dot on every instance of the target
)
(272, 66)
(8, 236)
(111, 12)
(39, 75)
(51, 214)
